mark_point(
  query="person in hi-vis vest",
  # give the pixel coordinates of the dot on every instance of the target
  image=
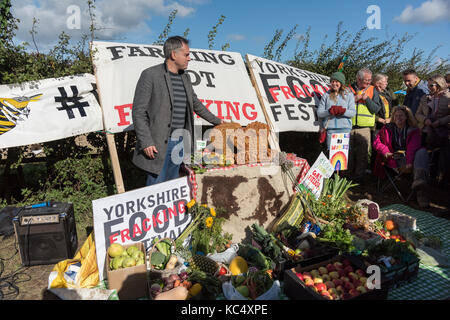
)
(368, 103)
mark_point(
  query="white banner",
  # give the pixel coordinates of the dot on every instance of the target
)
(219, 78)
(140, 215)
(339, 146)
(48, 109)
(290, 95)
(320, 170)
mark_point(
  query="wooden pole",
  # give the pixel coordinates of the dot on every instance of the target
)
(274, 144)
(110, 141)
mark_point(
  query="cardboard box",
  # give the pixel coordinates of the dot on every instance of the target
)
(296, 289)
(131, 282)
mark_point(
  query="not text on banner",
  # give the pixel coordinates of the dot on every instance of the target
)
(290, 95)
(140, 215)
(219, 79)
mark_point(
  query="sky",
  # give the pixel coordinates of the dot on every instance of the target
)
(248, 26)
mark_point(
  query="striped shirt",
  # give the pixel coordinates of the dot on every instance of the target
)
(179, 101)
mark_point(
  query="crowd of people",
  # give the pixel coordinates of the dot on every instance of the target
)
(412, 137)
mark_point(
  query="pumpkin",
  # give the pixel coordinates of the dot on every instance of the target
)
(389, 225)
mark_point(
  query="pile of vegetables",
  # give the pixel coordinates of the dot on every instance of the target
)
(253, 284)
(163, 258)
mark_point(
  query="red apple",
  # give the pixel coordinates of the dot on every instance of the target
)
(334, 275)
(357, 283)
(335, 296)
(307, 275)
(360, 273)
(348, 269)
(363, 280)
(346, 262)
(349, 286)
(326, 295)
(338, 265)
(320, 287)
(330, 284)
(353, 276)
(330, 267)
(309, 282)
(337, 282)
(354, 292)
(345, 279)
(300, 276)
(342, 273)
(323, 270)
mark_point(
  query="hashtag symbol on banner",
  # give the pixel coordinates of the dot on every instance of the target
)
(70, 103)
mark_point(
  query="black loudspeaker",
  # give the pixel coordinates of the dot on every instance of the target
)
(46, 235)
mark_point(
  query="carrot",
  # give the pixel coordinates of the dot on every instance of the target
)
(187, 284)
(176, 283)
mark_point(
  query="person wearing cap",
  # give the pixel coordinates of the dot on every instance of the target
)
(367, 104)
(336, 107)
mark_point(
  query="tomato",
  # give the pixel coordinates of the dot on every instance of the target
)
(222, 271)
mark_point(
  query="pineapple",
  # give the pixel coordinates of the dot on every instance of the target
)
(204, 264)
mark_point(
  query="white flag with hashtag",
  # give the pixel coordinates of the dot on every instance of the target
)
(49, 109)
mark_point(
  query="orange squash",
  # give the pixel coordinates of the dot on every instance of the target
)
(389, 225)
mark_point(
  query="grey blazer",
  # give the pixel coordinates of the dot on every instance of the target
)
(152, 115)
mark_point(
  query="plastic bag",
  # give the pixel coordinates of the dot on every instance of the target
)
(79, 272)
(231, 293)
(226, 256)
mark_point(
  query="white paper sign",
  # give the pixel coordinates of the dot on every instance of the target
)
(320, 170)
(140, 215)
(48, 109)
(219, 79)
(290, 95)
(339, 145)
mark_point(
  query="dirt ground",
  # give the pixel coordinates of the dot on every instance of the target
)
(30, 283)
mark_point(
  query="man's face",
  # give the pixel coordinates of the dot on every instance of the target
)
(181, 57)
(410, 80)
(365, 81)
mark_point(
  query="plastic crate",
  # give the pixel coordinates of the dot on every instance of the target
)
(296, 289)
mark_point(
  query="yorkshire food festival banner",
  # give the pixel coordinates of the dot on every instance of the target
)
(48, 109)
(290, 95)
(140, 215)
(219, 78)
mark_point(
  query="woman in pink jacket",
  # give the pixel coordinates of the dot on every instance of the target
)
(398, 145)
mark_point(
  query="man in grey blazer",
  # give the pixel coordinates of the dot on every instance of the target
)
(163, 106)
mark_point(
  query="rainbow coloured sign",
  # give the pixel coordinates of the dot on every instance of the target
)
(339, 145)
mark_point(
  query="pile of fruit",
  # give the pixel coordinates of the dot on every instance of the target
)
(336, 281)
(124, 258)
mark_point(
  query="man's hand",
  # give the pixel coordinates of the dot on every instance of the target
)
(427, 122)
(365, 96)
(151, 152)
